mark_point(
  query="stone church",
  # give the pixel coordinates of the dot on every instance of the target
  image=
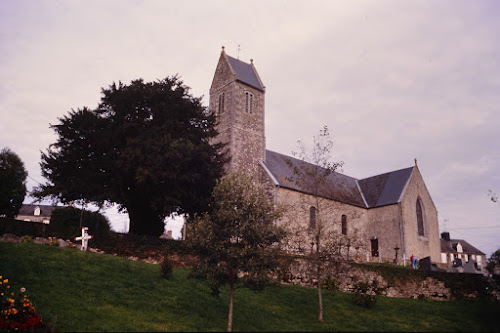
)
(387, 217)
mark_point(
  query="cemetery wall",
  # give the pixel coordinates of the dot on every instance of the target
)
(392, 281)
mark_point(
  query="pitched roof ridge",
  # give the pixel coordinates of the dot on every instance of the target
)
(246, 63)
(310, 164)
(386, 173)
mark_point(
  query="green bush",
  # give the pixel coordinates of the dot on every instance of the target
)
(331, 284)
(26, 239)
(364, 294)
(65, 223)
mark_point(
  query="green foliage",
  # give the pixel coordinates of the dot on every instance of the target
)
(65, 223)
(331, 284)
(237, 238)
(493, 261)
(364, 294)
(145, 147)
(12, 183)
(237, 234)
(26, 239)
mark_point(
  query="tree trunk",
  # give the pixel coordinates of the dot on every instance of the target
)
(320, 296)
(143, 221)
(230, 316)
(318, 277)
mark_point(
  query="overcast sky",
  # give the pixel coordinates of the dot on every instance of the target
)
(393, 81)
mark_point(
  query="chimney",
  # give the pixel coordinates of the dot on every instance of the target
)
(445, 236)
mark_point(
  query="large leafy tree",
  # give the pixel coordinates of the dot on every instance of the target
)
(146, 147)
(12, 183)
(237, 239)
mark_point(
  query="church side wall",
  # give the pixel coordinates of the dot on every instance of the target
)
(429, 244)
(383, 225)
(297, 216)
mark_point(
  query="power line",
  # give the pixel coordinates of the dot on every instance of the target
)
(486, 227)
(34, 180)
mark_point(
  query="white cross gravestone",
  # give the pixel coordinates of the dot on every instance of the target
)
(84, 238)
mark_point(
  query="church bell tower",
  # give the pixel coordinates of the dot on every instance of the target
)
(237, 99)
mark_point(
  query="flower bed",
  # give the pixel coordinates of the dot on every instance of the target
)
(17, 313)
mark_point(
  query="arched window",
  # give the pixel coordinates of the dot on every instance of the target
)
(248, 102)
(37, 211)
(221, 104)
(420, 218)
(312, 217)
(344, 225)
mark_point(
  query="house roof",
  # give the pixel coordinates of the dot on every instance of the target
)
(45, 210)
(448, 246)
(371, 192)
(245, 73)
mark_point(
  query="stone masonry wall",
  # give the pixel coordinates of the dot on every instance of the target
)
(383, 225)
(329, 213)
(429, 244)
(347, 276)
(242, 131)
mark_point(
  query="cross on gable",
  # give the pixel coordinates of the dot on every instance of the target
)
(84, 238)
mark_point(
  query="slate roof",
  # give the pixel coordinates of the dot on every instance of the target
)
(45, 210)
(466, 247)
(385, 189)
(245, 73)
(371, 192)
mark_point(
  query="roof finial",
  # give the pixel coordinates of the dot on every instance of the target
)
(239, 49)
(223, 48)
(251, 61)
(416, 161)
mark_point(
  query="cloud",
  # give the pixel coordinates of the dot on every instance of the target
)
(393, 81)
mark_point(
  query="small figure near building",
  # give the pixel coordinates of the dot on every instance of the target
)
(414, 261)
(84, 238)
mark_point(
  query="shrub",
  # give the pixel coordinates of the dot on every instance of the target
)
(26, 239)
(365, 294)
(166, 265)
(331, 284)
(65, 222)
(17, 313)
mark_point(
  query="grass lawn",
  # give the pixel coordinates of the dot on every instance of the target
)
(98, 292)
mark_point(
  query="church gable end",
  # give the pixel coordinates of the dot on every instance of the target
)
(385, 189)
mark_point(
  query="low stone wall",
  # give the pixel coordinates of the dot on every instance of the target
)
(403, 283)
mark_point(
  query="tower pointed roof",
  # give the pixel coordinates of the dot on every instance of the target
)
(245, 73)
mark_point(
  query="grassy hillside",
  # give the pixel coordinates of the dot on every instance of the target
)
(97, 292)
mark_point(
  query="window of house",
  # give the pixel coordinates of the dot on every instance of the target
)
(221, 104)
(344, 225)
(37, 211)
(248, 102)
(312, 217)
(420, 218)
